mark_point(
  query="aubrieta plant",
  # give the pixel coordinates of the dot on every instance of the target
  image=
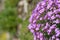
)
(45, 20)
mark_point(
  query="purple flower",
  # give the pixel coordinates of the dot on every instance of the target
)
(44, 20)
(53, 17)
(50, 13)
(53, 37)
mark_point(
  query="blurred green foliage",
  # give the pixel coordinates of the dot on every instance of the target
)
(8, 17)
(25, 34)
(9, 20)
(11, 3)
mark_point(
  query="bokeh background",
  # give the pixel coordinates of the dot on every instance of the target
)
(14, 19)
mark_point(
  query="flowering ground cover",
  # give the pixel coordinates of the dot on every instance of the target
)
(45, 20)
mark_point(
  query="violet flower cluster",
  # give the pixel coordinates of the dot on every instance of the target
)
(45, 19)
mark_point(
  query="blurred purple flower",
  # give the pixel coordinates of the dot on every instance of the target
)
(44, 20)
